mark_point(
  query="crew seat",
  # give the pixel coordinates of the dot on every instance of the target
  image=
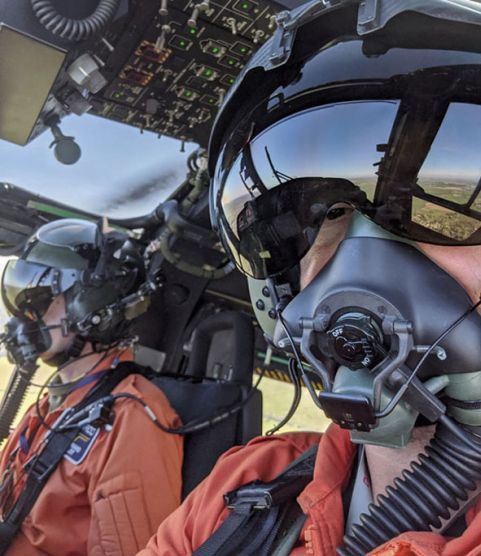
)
(218, 377)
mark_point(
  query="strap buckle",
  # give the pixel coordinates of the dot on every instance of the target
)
(286, 486)
(96, 414)
(257, 495)
(38, 469)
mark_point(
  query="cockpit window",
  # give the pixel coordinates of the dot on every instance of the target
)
(121, 173)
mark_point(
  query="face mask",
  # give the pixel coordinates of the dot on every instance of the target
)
(26, 339)
(375, 310)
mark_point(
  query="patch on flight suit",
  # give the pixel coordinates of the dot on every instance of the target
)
(81, 444)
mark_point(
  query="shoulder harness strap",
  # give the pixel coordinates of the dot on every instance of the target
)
(56, 445)
(265, 518)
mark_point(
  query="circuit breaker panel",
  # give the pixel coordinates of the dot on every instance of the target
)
(160, 65)
(184, 58)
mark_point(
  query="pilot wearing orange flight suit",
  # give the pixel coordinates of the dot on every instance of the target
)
(105, 500)
(337, 153)
(203, 511)
(116, 482)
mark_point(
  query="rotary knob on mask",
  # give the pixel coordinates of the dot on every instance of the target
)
(355, 340)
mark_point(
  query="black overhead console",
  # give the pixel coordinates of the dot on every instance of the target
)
(159, 65)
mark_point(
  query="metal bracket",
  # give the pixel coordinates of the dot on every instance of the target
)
(282, 40)
(288, 23)
(368, 16)
(402, 330)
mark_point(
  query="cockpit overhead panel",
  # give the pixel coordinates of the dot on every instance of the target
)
(175, 61)
(160, 65)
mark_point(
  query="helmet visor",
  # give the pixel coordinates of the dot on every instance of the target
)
(28, 288)
(412, 166)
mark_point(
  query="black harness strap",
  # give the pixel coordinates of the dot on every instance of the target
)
(262, 514)
(41, 466)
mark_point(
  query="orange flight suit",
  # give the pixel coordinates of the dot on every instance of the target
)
(110, 502)
(264, 458)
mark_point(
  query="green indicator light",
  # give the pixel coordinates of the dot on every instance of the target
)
(182, 44)
(193, 31)
(211, 100)
(231, 80)
(243, 50)
(117, 95)
(245, 5)
(208, 72)
(215, 50)
(188, 94)
(231, 62)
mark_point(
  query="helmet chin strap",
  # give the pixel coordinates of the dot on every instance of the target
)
(74, 349)
(64, 326)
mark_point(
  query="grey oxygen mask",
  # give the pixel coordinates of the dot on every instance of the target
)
(399, 331)
(25, 340)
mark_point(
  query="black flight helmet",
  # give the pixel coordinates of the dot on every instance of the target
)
(92, 269)
(373, 106)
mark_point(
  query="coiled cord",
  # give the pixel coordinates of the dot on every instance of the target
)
(13, 397)
(74, 29)
(424, 494)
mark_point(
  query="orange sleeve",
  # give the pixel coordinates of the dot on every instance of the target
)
(135, 482)
(432, 544)
(203, 510)
(413, 544)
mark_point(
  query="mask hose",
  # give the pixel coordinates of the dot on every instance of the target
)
(428, 491)
(14, 396)
(24, 350)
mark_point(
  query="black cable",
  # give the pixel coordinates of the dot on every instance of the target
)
(305, 377)
(192, 161)
(400, 393)
(71, 383)
(74, 29)
(292, 369)
(196, 425)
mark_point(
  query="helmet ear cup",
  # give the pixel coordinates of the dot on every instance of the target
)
(87, 305)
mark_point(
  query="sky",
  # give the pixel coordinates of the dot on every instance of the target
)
(337, 140)
(455, 150)
(121, 172)
(341, 140)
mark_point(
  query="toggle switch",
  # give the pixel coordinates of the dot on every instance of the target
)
(230, 21)
(257, 36)
(198, 9)
(165, 31)
(163, 10)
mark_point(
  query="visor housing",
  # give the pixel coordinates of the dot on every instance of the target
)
(28, 288)
(404, 152)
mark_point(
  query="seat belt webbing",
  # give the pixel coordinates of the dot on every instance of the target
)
(45, 462)
(259, 512)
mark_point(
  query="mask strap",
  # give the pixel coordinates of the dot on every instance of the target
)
(64, 326)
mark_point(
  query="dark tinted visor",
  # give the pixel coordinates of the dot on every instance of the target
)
(412, 166)
(28, 288)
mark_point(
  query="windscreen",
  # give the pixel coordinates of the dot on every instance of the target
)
(122, 172)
